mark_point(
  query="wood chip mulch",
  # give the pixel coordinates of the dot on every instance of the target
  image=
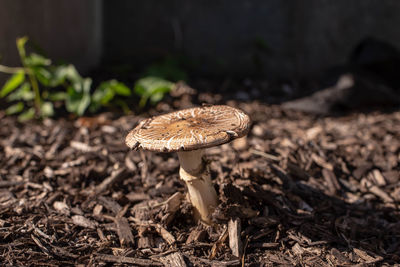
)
(300, 190)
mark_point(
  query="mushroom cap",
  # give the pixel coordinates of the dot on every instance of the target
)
(189, 129)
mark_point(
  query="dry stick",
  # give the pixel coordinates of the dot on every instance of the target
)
(129, 260)
(380, 193)
(10, 183)
(53, 250)
(244, 250)
(110, 180)
(265, 155)
(167, 236)
(378, 177)
(40, 232)
(321, 162)
(162, 254)
(172, 202)
(331, 180)
(218, 244)
(40, 245)
(264, 245)
(61, 252)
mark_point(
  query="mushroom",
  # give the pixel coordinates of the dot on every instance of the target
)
(189, 132)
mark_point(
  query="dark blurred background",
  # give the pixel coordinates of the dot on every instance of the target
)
(271, 39)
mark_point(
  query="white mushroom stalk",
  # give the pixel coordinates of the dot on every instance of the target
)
(200, 189)
(189, 132)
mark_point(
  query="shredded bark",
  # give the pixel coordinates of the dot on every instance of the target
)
(300, 190)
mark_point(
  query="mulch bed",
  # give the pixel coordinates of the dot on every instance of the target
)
(300, 190)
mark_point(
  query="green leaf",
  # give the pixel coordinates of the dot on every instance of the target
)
(27, 115)
(16, 108)
(46, 109)
(59, 75)
(57, 96)
(120, 88)
(43, 75)
(83, 104)
(158, 94)
(155, 98)
(86, 85)
(103, 94)
(72, 74)
(153, 88)
(15, 80)
(106, 92)
(22, 93)
(82, 86)
(36, 60)
(78, 96)
(162, 89)
(148, 85)
(77, 102)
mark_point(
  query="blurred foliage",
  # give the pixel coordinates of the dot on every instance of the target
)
(153, 88)
(156, 82)
(35, 88)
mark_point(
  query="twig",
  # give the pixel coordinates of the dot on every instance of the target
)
(12, 70)
(263, 154)
(246, 243)
(110, 180)
(10, 183)
(218, 244)
(129, 260)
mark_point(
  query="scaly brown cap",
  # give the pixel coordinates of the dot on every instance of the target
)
(189, 129)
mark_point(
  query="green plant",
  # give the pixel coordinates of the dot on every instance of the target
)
(152, 88)
(34, 88)
(19, 90)
(155, 83)
(107, 92)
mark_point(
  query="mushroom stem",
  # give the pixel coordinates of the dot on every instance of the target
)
(201, 191)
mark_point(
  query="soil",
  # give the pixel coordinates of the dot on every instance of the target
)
(299, 190)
